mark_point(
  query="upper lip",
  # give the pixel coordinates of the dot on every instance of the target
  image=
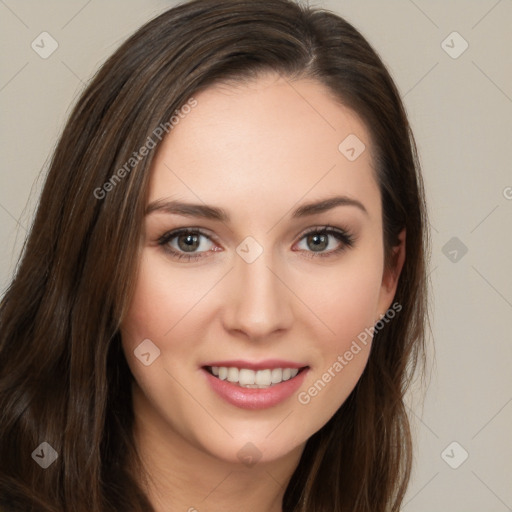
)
(257, 365)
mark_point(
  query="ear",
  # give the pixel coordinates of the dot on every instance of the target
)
(391, 275)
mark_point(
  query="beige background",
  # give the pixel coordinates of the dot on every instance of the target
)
(461, 111)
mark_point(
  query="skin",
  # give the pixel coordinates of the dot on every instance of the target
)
(283, 305)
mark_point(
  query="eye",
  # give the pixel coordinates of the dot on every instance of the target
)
(318, 239)
(191, 243)
(188, 243)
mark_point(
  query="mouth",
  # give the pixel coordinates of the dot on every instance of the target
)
(253, 386)
(263, 378)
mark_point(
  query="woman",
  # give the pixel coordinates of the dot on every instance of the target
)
(222, 298)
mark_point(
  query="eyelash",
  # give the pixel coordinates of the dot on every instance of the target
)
(343, 236)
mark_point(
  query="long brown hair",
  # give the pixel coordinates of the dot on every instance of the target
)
(64, 379)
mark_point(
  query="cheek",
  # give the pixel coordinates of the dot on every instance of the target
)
(348, 301)
(164, 309)
(347, 305)
(157, 312)
(160, 301)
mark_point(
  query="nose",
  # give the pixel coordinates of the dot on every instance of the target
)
(258, 302)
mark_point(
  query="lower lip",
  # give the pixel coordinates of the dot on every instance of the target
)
(255, 398)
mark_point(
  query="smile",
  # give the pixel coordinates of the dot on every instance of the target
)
(267, 384)
(256, 379)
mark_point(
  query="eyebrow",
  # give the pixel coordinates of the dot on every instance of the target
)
(214, 213)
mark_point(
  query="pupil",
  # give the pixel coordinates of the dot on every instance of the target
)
(190, 242)
(319, 238)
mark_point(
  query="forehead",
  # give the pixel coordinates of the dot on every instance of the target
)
(267, 140)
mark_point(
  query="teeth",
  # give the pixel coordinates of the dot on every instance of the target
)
(263, 378)
(277, 375)
(246, 377)
(254, 379)
(233, 374)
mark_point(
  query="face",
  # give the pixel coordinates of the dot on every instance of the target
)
(255, 284)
